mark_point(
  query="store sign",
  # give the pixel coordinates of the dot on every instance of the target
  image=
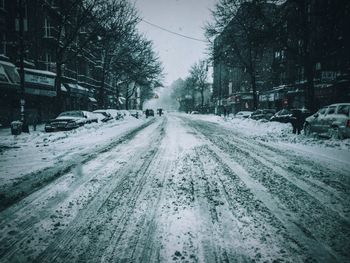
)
(328, 75)
(40, 80)
(40, 92)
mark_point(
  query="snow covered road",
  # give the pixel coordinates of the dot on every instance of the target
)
(180, 189)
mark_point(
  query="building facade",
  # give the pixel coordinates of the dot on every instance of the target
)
(311, 49)
(81, 73)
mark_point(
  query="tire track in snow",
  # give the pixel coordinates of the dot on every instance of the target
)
(208, 197)
(321, 215)
(316, 248)
(86, 239)
(306, 178)
(29, 205)
(26, 185)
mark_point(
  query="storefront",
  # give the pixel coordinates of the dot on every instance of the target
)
(40, 94)
(9, 93)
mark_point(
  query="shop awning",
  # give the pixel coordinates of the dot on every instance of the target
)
(40, 82)
(63, 88)
(77, 89)
(92, 99)
(8, 74)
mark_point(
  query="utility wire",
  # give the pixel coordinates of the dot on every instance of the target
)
(172, 32)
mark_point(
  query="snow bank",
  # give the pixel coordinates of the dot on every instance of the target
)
(273, 132)
(26, 153)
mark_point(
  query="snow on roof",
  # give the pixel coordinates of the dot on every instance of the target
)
(42, 72)
(7, 63)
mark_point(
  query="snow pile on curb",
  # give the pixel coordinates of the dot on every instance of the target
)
(272, 131)
(37, 150)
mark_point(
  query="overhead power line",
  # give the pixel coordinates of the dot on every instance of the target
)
(172, 32)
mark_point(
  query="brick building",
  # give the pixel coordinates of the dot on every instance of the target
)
(287, 67)
(80, 77)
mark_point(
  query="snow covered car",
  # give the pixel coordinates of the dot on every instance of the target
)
(286, 116)
(263, 114)
(282, 116)
(243, 114)
(124, 113)
(69, 120)
(136, 113)
(103, 115)
(332, 121)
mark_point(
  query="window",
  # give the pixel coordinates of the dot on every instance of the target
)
(82, 30)
(3, 44)
(48, 60)
(301, 73)
(318, 66)
(48, 29)
(344, 109)
(331, 110)
(283, 54)
(322, 111)
(2, 4)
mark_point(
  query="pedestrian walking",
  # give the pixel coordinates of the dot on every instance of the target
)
(297, 121)
(35, 121)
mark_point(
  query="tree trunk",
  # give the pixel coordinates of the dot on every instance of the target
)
(202, 99)
(101, 92)
(255, 95)
(127, 97)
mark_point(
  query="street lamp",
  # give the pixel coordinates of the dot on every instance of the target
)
(21, 66)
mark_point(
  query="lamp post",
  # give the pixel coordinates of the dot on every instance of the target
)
(21, 65)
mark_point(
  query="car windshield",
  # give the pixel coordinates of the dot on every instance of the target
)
(71, 114)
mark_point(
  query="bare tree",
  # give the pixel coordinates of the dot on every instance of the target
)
(138, 63)
(199, 74)
(80, 24)
(241, 35)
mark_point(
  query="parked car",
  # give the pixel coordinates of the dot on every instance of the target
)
(103, 115)
(265, 114)
(69, 120)
(124, 113)
(149, 112)
(194, 112)
(243, 114)
(282, 116)
(136, 113)
(115, 114)
(286, 115)
(332, 120)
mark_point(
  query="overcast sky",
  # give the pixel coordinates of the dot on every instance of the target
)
(185, 17)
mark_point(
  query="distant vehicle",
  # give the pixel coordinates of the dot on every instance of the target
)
(160, 111)
(332, 121)
(149, 112)
(69, 120)
(103, 115)
(264, 114)
(243, 114)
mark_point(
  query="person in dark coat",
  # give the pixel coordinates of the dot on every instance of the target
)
(297, 121)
